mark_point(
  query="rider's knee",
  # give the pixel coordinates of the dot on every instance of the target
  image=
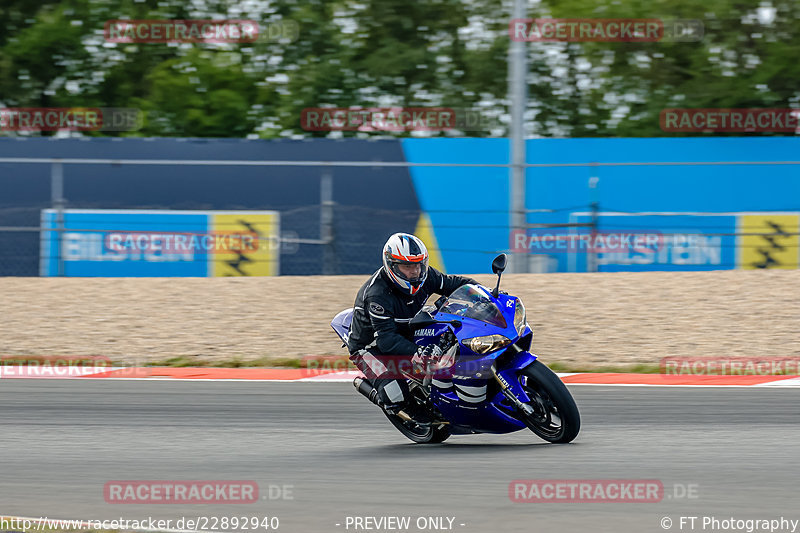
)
(392, 391)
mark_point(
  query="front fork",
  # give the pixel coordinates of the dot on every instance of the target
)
(509, 382)
(505, 388)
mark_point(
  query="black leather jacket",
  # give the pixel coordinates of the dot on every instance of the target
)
(382, 312)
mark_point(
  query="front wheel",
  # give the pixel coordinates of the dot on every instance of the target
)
(555, 416)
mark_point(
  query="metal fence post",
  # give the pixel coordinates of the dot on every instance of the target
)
(57, 200)
(517, 88)
(591, 254)
(326, 222)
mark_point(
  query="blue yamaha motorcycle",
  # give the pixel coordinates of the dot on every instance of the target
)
(488, 381)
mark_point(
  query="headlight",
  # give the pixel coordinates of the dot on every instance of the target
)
(520, 317)
(486, 344)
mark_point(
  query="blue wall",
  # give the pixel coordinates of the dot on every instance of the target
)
(468, 207)
(371, 203)
(714, 188)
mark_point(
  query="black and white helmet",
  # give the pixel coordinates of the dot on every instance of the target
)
(405, 249)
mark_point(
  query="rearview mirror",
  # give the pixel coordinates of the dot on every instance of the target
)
(499, 263)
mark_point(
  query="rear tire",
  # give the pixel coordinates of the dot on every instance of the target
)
(419, 434)
(556, 418)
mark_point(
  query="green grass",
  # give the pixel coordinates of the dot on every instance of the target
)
(341, 362)
(183, 361)
(261, 362)
(555, 366)
(334, 362)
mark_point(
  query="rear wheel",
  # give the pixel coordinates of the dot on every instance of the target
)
(432, 434)
(555, 416)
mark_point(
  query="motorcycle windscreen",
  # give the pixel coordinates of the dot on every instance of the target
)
(472, 301)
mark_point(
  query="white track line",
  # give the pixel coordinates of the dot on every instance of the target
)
(792, 382)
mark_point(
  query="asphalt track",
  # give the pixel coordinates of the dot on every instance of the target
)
(62, 440)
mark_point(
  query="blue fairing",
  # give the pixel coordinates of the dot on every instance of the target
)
(469, 396)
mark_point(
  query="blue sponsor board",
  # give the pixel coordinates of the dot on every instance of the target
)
(675, 242)
(86, 249)
(636, 175)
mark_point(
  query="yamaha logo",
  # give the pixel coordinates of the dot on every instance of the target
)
(427, 332)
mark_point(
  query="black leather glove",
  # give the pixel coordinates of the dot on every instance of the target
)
(425, 357)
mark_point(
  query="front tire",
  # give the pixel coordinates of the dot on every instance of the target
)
(555, 418)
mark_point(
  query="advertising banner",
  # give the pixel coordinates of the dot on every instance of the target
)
(769, 240)
(690, 241)
(152, 243)
(685, 242)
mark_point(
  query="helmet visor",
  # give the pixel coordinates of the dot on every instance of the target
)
(413, 272)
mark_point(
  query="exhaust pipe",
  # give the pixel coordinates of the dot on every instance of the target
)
(369, 392)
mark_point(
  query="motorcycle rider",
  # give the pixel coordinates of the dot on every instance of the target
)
(383, 308)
